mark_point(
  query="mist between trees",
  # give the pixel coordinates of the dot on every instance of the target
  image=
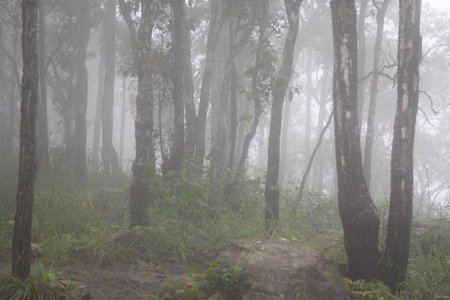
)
(229, 91)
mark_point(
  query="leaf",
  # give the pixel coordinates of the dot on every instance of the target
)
(249, 72)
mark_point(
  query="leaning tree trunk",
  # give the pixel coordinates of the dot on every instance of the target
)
(400, 210)
(144, 164)
(109, 154)
(368, 145)
(256, 93)
(272, 192)
(27, 164)
(81, 91)
(176, 158)
(358, 213)
(215, 26)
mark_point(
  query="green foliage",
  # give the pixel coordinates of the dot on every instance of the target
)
(429, 275)
(39, 285)
(208, 284)
(368, 290)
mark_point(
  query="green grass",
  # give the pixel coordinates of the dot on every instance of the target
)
(190, 217)
(40, 285)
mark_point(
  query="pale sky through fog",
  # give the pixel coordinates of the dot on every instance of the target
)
(439, 4)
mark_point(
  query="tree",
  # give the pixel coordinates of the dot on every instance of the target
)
(357, 211)
(361, 56)
(175, 160)
(109, 154)
(27, 164)
(271, 191)
(402, 178)
(368, 145)
(81, 89)
(144, 162)
(215, 27)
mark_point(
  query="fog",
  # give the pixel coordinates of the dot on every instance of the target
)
(304, 114)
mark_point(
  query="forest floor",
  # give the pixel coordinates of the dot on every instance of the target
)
(117, 280)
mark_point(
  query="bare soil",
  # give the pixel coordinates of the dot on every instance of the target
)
(119, 281)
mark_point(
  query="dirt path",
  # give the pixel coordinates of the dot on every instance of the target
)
(119, 281)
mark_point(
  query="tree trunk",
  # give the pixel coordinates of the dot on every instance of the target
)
(109, 154)
(361, 57)
(400, 210)
(318, 170)
(144, 164)
(82, 90)
(215, 26)
(188, 89)
(122, 121)
(98, 110)
(368, 146)
(256, 94)
(271, 192)
(176, 158)
(358, 213)
(233, 91)
(27, 165)
(43, 157)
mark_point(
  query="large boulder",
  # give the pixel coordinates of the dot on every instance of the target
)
(285, 270)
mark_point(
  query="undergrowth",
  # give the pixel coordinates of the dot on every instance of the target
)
(194, 216)
(39, 285)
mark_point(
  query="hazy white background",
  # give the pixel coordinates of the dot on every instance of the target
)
(440, 4)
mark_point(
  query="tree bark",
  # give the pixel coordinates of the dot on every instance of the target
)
(357, 211)
(82, 89)
(215, 26)
(27, 164)
(402, 179)
(361, 57)
(176, 158)
(256, 79)
(98, 110)
(144, 164)
(271, 192)
(368, 145)
(109, 154)
(188, 89)
(43, 157)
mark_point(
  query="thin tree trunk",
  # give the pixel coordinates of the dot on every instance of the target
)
(361, 57)
(98, 111)
(215, 26)
(318, 170)
(122, 121)
(188, 89)
(311, 159)
(144, 164)
(27, 166)
(109, 154)
(402, 177)
(271, 192)
(82, 90)
(233, 92)
(43, 157)
(358, 213)
(368, 146)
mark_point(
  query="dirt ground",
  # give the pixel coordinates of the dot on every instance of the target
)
(119, 281)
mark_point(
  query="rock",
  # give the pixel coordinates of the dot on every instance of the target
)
(285, 270)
